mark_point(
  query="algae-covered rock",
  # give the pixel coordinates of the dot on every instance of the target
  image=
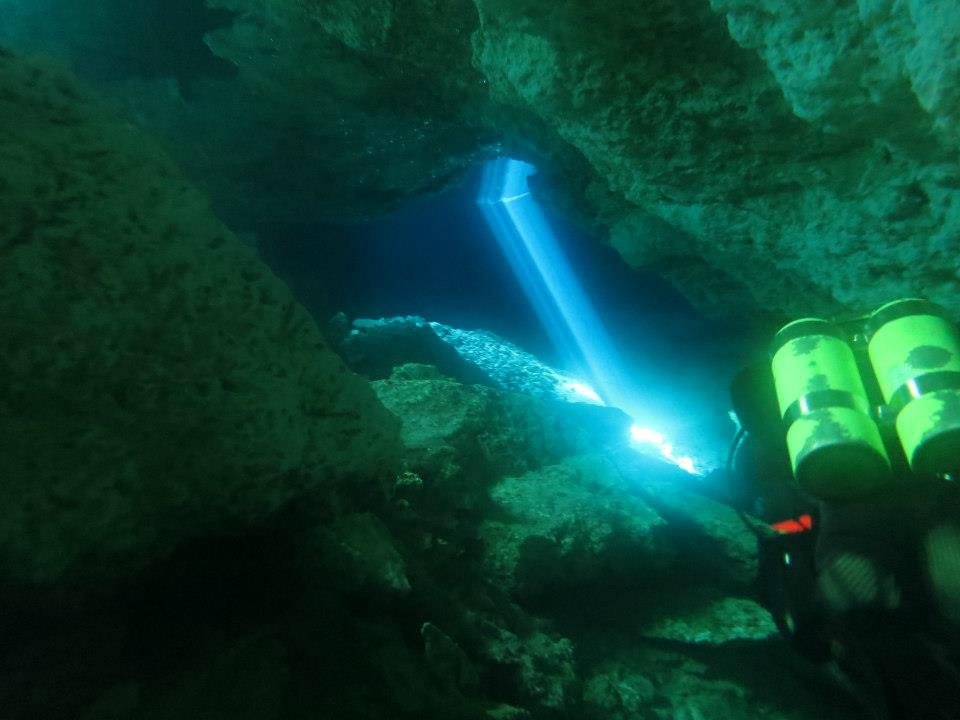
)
(461, 438)
(541, 664)
(359, 553)
(158, 380)
(571, 524)
(777, 155)
(370, 100)
(713, 621)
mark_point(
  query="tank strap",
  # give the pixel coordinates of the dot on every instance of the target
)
(817, 400)
(923, 384)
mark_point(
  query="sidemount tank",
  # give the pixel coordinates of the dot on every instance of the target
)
(914, 349)
(835, 446)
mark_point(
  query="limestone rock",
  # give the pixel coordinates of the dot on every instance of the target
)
(159, 381)
(835, 63)
(450, 665)
(815, 175)
(713, 538)
(719, 525)
(769, 157)
(389, 84)
(747, 683)
(374, 347)
(461, 438)
(542, 664)
(571, 524)
(714, 622)
(362, 555)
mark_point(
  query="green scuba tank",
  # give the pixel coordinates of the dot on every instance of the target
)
(914, 349)
(835, 446)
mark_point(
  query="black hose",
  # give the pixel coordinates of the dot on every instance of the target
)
(732, 453)
(759, 531)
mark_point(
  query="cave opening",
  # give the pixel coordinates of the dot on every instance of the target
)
(439, 257)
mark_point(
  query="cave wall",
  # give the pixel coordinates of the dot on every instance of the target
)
(775, 156)
(804, 150)
(159, 382)
(370, 98)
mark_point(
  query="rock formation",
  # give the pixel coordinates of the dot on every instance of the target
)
(778, 156)
(159, 381)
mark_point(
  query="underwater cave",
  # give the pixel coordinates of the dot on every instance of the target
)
(479, 359)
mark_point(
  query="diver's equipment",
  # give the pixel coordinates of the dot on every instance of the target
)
(914, 349)
(831, 402)
(754, 401)
(787, 581)
(836, 450)
(791, 526)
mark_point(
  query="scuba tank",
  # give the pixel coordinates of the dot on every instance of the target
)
(915, 353)
(835, 446)
(862, 404)
(852, 412)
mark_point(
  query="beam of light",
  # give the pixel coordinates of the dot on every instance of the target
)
(534, 254)
(647, 436)
(584, 391)
(560, 302)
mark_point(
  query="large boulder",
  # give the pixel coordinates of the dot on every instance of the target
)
(462, 438)
(158, 381)
(592, 522)
(571, 524)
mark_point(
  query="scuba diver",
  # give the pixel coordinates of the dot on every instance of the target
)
(845, 468)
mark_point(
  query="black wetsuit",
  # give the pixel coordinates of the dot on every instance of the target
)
(891, 634)
(888, 639)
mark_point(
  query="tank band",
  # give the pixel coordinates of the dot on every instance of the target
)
(923, 384)
(818, 400)
(804, 328)
(904, 308)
